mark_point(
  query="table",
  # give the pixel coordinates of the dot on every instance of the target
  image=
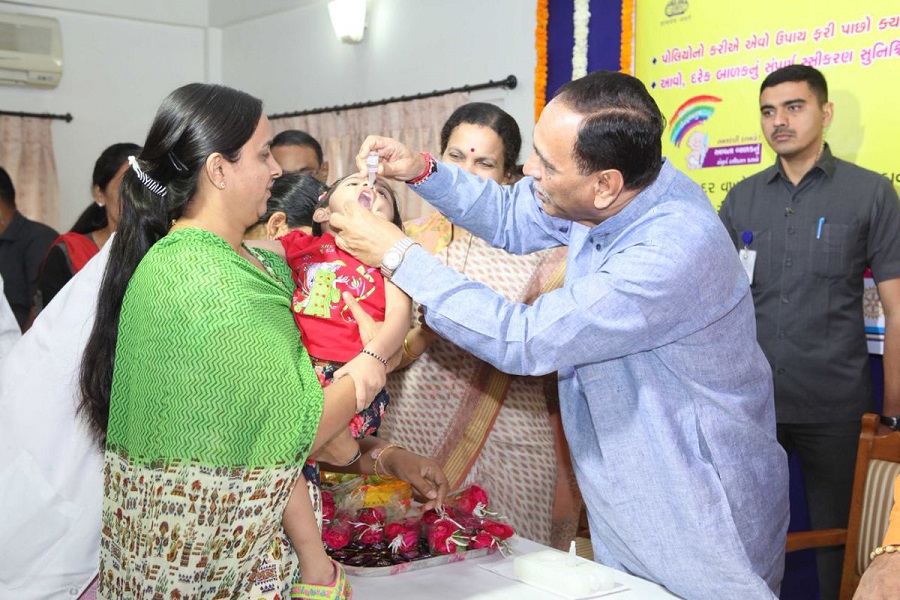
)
(466, 580)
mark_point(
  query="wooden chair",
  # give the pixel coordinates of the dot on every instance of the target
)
(877, 465)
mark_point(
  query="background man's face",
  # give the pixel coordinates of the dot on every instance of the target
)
(300, 159)
(792, 119)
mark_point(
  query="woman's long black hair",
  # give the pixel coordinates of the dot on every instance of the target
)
(193, 122)
(106, 167)
(296, 195)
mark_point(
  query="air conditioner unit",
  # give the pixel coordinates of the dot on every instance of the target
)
(30, 50)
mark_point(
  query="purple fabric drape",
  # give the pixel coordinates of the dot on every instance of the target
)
(604, 39)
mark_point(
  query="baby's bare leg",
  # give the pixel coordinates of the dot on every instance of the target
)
(299, 520)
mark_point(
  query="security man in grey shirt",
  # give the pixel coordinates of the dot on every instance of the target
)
(807, 228)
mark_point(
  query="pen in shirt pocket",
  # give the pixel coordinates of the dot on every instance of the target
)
(819, 228)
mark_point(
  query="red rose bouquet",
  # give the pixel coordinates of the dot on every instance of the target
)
(472, 500)
(430, 516)
(446, 536)
(327, 506)
(338, 532)
(368, 527)
(378, 536)
(403, 537)
(490, 534)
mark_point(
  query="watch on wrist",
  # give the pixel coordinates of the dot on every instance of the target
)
(891, 422)
(394, 256)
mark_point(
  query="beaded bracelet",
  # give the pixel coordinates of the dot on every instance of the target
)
(407, 352)
(888, 549)
(372, 354)
(430, 168)
(380, 453)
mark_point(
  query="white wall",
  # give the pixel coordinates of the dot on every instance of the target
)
(293, 61)
(230, 12)
(116, 70)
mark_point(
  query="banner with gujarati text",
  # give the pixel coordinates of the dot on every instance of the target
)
(704, 60)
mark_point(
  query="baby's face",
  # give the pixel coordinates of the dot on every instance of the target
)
(354, 187)
(695, 141)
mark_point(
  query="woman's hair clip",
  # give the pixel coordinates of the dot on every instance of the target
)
(179, 166)
(149, 183)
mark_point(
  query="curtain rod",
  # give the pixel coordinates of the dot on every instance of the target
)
(510, 83)
(66, 117)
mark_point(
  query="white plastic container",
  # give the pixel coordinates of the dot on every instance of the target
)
(562, 573)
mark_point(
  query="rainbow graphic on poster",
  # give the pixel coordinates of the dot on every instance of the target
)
(693, 113)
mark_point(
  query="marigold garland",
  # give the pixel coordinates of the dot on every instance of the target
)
(626, 51)
(540, 69)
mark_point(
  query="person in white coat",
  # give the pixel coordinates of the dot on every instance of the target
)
(9, 328)
(51, 477)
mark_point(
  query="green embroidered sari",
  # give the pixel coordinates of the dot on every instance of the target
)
(214, 409)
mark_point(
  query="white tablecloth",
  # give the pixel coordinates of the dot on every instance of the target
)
(466, 580)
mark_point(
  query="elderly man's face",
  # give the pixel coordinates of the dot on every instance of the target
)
(558, 185)
(300, 159)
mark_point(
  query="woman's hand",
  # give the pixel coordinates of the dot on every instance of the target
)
(881, 580)
(394, 159)
(368, 373)
(369, 328)
(422, 473)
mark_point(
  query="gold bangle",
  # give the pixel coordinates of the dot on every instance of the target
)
(407, 352)
(379, 456)
(888, 549)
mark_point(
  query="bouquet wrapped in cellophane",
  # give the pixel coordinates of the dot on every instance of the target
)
(398, 535)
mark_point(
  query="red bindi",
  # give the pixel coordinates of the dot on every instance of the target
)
(472, 150)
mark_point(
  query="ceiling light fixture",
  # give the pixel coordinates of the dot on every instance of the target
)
(348, 18)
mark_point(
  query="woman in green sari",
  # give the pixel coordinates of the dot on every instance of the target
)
(194, 377)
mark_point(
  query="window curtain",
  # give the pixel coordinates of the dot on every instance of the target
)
(416, 123)
(26, 152)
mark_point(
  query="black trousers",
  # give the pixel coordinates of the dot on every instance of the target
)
(827, 453)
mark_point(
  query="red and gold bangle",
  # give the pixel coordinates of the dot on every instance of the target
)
(430, 168)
